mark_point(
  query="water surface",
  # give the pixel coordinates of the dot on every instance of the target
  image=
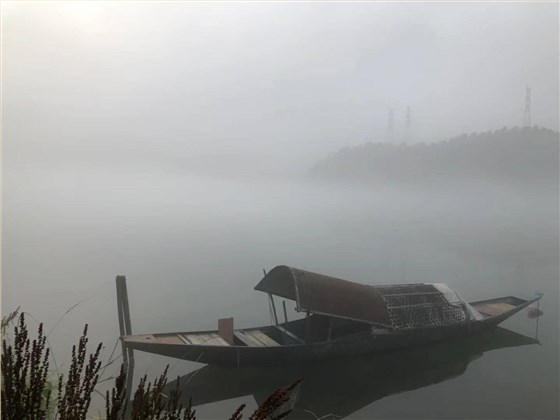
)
(193, 247)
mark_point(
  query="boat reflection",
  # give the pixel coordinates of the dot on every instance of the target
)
(343, 386)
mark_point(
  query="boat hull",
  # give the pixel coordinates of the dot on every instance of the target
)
(365, 342)
(347, 384)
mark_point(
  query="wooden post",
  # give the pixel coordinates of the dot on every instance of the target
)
(126, 309)
(122, 328)
(125, 328)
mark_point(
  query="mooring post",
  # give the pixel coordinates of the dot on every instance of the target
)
(122, 328)
(126, 310)
(125, 328)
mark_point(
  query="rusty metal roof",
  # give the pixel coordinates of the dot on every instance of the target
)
(401, 306)
(326, 295)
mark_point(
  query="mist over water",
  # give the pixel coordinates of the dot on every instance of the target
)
(193, 247)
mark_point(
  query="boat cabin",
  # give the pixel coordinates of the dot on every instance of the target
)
(335, 308)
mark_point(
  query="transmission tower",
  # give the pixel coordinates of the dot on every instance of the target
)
(527, 113)
(407, 126)
(391, 126)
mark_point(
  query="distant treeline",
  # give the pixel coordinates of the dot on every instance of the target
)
(512, 156)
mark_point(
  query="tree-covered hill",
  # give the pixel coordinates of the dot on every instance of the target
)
(512, 156)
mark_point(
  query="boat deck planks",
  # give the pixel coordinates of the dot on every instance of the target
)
(493, 309)
(170, 339)
(262, 337)
(255, 338)
(248, 340)
(211, 339)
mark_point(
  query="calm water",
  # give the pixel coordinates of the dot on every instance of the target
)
(192, 249)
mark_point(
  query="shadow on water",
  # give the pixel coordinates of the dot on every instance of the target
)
(341, 387)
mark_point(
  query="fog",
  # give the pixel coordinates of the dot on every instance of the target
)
(193, 248)
(220, 83)
(171, 142)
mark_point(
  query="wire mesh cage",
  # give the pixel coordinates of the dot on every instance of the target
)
(422, 305)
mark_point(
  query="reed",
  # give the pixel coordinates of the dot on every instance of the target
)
(75, 393)
(26, 391)
(25, 365)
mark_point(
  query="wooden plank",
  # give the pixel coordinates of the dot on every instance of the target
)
(262, 337)
(209, 339)
(225, 329)
(248, 340)
(204, 339)
(169, 339)
(216, 341)
(200, 339)
(502, 306)
(194, 338)
(493, 309)
(185, 338)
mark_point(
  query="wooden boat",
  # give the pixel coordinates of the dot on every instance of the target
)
(347, 384)
(341, 318)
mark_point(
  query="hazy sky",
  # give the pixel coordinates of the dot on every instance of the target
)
(297, 79)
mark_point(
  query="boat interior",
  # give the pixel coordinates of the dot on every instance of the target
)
(315, 328)
(495, 307)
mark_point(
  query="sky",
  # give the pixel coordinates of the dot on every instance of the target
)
(198, 83)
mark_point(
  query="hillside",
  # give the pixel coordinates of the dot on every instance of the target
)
(512, 156)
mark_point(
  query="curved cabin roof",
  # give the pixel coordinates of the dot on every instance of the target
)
(326, 295)
(395, 306)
